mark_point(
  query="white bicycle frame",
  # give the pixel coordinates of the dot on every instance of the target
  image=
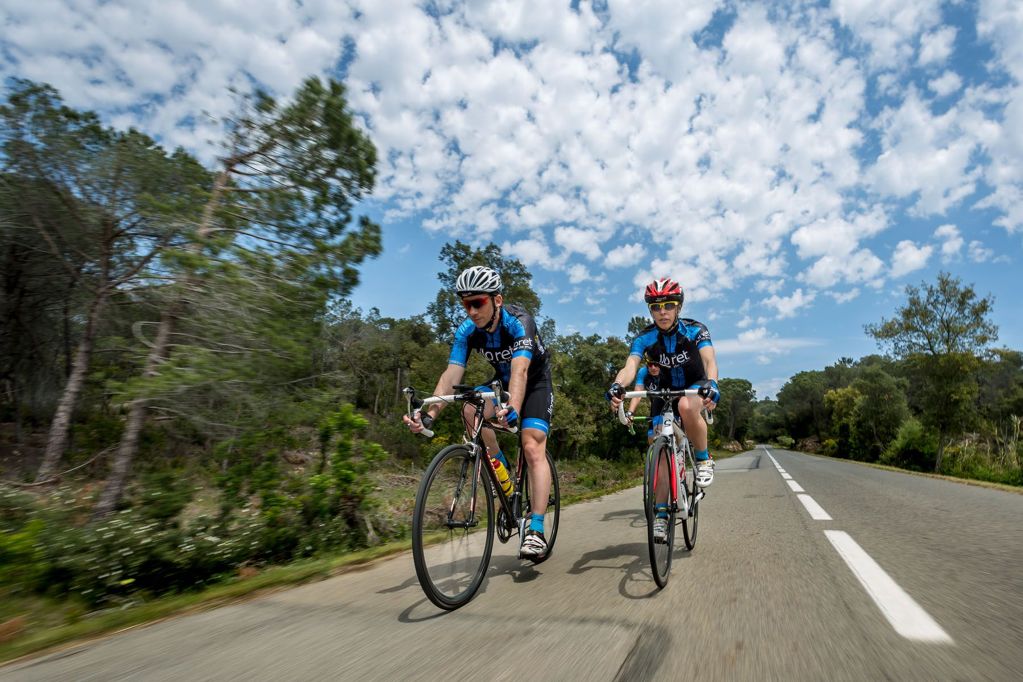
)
(675, 435)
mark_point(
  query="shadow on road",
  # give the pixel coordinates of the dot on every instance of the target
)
(635, 517)
(519, 570)
(636, 582)
(407, 617)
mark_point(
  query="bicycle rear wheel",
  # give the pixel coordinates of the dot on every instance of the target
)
(452, 528)
(691, 522)
(553, 513)
(658, 468)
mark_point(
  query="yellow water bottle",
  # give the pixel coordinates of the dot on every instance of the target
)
(502, 475)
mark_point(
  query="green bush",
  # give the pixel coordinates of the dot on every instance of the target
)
(915, 447)
(785, 441)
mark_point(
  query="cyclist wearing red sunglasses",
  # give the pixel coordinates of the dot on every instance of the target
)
(506, 335)
(683, 349)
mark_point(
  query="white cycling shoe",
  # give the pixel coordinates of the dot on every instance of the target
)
(705, 473)
(660, 530)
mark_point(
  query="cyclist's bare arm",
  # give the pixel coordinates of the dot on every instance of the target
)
(451, 376)
(517, 384)
(625, 376)
(710, 367)
(634, 403)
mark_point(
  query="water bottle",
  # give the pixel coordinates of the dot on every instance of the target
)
(502, 475)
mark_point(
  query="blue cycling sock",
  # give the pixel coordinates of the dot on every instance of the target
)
(662, 511)
(536, 523)
(500, 457)
(702, 455)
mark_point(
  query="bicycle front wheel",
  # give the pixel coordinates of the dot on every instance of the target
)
(691, 522)
(452, 528)
(553, 513)
(658, 474)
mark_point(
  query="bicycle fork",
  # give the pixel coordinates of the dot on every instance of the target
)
(473, 482)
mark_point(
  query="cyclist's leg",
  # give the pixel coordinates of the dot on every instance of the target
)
(656, 420)
(537, 410)
(696, 429)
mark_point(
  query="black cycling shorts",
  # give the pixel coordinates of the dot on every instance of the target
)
(537, 404)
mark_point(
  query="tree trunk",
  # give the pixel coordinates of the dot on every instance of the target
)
(941, 452)
(133, 426)
(157, 354)
(57, 440)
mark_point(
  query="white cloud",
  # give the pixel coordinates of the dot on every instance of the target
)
(924, 154)
(574, 240)
(740, 165)
(909, 257)
(624, 256)
(946, 84)
(787, 306)
(580, 273)
(113, 57)
(935, 47)
(859, 267)
(888, 26)
(530, 252)
(846, 296)
(761, 342)
(951, 242)
(979, 253)
(1001, 22)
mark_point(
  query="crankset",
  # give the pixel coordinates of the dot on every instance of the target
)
(504, 533)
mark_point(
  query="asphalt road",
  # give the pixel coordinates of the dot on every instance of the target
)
(766, 594)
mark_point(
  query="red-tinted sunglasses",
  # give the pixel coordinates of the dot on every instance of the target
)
(474, 303)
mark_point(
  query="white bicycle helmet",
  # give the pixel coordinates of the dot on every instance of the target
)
(479, 279)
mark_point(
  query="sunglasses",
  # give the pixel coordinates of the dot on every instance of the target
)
(474, 303)
(664, 305)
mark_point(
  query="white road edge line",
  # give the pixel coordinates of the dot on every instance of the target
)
(796, 488)
(786, 476)
(906, 616)
(817, 512)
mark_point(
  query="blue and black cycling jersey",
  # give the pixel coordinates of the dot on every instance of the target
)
(677, 351)
(516, 336)
(647, 380)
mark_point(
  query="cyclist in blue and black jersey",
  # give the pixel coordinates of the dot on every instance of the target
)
(648, 379)
(506, 335)
(683, 349)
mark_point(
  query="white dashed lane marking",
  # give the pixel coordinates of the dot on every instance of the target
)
(905, 615)
(817, 512)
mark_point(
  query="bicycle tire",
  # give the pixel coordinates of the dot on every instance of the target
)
(446, 489)
(690, 523)
(660, 551)
(553, 514)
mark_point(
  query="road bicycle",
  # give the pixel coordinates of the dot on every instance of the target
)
(453, 523)
(670, 475)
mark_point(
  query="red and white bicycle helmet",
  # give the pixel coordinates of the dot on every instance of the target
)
(663, 290)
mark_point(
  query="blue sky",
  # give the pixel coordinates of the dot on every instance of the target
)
(793, 164)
